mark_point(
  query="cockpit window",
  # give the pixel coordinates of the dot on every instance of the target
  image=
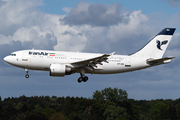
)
(12, 54)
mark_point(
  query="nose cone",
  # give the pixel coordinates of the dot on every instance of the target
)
(7, 59)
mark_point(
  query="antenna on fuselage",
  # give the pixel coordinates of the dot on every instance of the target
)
(112, 53)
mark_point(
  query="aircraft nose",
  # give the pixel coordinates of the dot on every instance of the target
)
(7, 59)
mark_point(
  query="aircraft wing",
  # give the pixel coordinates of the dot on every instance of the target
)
(91, 62)
(159, 61)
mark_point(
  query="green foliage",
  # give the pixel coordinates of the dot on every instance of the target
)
(89, 114)
(58, 116)
(110, 94)
(115, 113)
(159, 111)
(48, 112)
(107, 104)
(97, 95)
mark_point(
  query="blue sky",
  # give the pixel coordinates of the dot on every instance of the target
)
(60, 25)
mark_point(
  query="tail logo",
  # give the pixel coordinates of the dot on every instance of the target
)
(159, 44)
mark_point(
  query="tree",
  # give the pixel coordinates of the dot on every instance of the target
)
(159, 111)
(97, 95)
(110, 102)
(47, 98)
(48, 112)
(89, 114)
(9, 112)
(172, 113)
(110, 94)
(58, 116)
(24, 108)
(178, 110)
(115, 113)
(23, 98)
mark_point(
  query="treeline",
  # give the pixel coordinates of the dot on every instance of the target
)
(107, 104)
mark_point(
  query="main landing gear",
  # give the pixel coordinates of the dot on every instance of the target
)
(82, 78)
(27, 75)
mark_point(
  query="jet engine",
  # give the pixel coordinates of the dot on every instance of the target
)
(61, 70)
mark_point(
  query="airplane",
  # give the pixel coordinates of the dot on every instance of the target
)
(61, 63)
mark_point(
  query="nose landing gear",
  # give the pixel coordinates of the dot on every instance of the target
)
(27, 75)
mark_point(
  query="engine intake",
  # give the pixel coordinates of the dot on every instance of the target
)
(61, 70)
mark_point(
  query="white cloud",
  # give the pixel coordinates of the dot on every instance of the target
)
(95, 14)
(28, 24)
(67, 9)
(18, 13)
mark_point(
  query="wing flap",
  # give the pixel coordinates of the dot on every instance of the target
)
(91, 62)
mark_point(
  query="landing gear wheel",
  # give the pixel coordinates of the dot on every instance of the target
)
(80, 79)
(85, 78)
(27, 76)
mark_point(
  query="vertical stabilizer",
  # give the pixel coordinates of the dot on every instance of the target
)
(157, 46)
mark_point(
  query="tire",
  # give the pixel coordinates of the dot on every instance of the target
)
(85, 79)
(80, 79)
(27, 76)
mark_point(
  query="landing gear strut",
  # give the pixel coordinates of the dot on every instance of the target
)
(82, 78)
(27, 75)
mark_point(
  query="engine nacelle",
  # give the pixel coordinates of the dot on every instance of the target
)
(61, 70)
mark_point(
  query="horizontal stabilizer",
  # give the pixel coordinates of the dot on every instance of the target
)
(159, 61)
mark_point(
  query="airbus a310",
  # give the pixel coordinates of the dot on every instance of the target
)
(61, 63)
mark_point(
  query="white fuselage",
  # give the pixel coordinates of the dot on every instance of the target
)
(38, 60)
